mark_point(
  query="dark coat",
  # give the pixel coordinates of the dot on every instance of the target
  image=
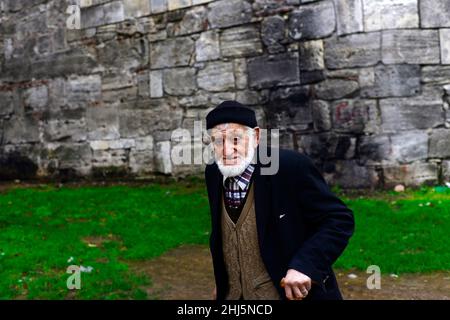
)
(301, 224)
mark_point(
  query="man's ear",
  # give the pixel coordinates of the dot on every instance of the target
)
(257, 135)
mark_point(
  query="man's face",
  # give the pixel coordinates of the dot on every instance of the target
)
(233, 143)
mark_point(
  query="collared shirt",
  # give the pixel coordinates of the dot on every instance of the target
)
(236, 187)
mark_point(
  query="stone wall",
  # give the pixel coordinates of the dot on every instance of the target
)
(362, 86)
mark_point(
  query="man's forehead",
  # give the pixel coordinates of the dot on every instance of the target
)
(229, 126)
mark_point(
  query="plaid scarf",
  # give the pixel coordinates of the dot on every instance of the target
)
(236, 187)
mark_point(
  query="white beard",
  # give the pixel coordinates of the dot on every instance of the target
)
(237, 169)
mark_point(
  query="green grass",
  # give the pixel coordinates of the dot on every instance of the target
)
(407, 232)
(41, 228)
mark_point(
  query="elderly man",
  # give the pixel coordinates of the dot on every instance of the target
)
(273, 236)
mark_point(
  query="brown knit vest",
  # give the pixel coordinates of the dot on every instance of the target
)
(247, 274)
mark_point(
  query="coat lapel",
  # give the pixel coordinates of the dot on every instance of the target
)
(215, 186)
(262, 202)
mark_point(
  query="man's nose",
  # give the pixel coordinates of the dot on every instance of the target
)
(229, 149)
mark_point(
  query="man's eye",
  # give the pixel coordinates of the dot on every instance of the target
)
(217, 141)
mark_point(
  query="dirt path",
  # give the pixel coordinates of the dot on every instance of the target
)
(186, 273)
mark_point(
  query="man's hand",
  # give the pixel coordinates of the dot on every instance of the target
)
(296, 285)
(214, 293)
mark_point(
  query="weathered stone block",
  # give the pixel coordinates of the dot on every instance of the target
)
(273, 33)
(196, 2)
(436, 74)
(354, 116)
(156, 86)
(321, 115)
(374, 149)
(227, 13)
(65, 130)
(366, 77)
(240, 41)
(440, 143)
(122, 144)
(309, 77)
(434, 13)
(36, 98)
(349, 15)
(446, 170)
(327, 146)
(75, 157)
(357, 50)
(286, 139)
(312, 21)
(158, 6)
(141, 162)
(119, 94)
(290, 109)
(179, 81)
(132, 52)
(393, 81)
(444, 36)
(21, 129)
(332, 89)
(390, 14)
(207, 46)
(200, 99)
(149, 119)
(7, 102)
(346, 171)
(114, 12)
(59, 64)
(83, 91)
(103, 14)
(99, 144)
(85, 3)
(415, 174)
(240, 73)
(178, 4)
(144, 143)
(268, 71)
(163, 161)
(216, 76)
(194, 20)
(109, 158)
(408, 114)
(311, 55)
(116, 80)
(102, 122)
(171, 52)
(263, 8)
(217, 97)
(248, 97)
(136, 8)
(193, 119)
(143, 84)
(346, 74)
(410, 46)
(447, 89)
(409, 146)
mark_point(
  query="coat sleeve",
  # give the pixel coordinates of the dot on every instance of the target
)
(331, 220)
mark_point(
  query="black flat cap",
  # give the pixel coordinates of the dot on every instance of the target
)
(231, 111)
